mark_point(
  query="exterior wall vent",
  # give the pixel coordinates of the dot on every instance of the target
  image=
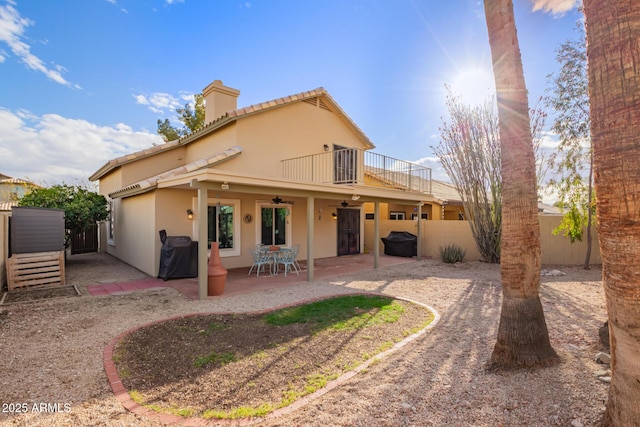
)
(313, 101)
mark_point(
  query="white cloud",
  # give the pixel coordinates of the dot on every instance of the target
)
(54, 149)
(158, 102)
(555, 7)
(12, 28)
(437, 171)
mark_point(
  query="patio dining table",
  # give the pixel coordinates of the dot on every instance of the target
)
(274, 251)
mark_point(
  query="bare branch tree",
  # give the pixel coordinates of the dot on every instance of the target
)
(469, 151)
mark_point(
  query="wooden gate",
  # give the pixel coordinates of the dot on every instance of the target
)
(85, 242)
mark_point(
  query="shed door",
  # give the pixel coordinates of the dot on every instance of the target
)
(348, 232)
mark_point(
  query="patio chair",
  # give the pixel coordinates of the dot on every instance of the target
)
(261, 259)
(288, 259)
(296, 263)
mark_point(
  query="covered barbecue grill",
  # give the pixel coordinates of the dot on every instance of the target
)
(400, 243)
(178, 257)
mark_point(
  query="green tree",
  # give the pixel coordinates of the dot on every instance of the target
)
(191, 118)
(568, 96)
(82, 207)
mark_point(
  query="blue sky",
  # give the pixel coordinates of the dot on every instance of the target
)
(82, 82)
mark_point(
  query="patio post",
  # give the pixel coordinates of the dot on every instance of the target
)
(419, 253)
(202, 243)
(376, 234)
(310, 232)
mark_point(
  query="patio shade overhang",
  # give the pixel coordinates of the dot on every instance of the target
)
(242, 183)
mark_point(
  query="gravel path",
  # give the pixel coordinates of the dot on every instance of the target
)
(51, 351)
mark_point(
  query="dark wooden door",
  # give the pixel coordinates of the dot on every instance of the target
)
(348, 232)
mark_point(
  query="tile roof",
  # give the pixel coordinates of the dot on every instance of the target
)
(151, 182)
(445, 191)
(6, 206)
(229, 117)
(10, 180)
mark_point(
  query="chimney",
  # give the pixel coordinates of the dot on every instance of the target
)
(218, 99)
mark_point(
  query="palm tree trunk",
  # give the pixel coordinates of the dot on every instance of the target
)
(587, 257)
(523, 339)
(613, 54)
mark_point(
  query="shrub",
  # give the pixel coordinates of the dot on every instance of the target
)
(451, 253)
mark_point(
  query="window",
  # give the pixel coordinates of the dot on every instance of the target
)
(223, 225)
(369, 216)
(111, 223)
(396, 216)
(424, 216)
(274, 225)
(460, 216)
(222, 233)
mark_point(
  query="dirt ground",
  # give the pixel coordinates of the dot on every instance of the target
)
(226, 362)
(52, 373)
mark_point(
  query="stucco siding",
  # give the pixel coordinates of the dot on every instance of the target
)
(555, 249)
(291, 131)
(111, 182)
(150, 166)
(135, 232)
(212, 144)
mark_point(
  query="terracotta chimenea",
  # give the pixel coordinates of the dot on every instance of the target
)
(217, 274)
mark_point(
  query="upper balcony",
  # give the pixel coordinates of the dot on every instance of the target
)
(358, 167)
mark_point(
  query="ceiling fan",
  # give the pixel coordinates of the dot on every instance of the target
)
(277, 200)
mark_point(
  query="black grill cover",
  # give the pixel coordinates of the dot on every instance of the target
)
(400, 243)
(178, 257)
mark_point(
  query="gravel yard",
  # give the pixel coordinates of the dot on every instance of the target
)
(51, 351)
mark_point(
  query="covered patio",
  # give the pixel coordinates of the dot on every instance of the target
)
(240, 282)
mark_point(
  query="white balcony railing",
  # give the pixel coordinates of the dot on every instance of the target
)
(354, 166)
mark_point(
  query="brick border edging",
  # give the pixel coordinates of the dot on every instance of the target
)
(122, 395)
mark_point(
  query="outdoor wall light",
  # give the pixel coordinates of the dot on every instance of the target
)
(355, 197)
(344, 204)
(334, 215)
(189, 214)
(326, 147)
(225, 186)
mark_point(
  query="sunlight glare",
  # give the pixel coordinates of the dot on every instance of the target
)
(474, 85)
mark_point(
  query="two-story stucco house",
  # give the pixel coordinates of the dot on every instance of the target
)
(291, 171)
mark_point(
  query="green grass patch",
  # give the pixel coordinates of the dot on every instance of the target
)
(136, 396)
(212, 327)
(241, 412)
(213, 357)
(342, 313)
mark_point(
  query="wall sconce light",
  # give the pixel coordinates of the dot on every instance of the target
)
(326, 147)
(225, 186)
(189, 214)
(355, 197)
(334, 215)
(344, 204)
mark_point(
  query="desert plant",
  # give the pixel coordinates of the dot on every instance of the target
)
(451, 253)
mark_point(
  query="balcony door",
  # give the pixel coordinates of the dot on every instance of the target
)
(348, 231)
(344, 165)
